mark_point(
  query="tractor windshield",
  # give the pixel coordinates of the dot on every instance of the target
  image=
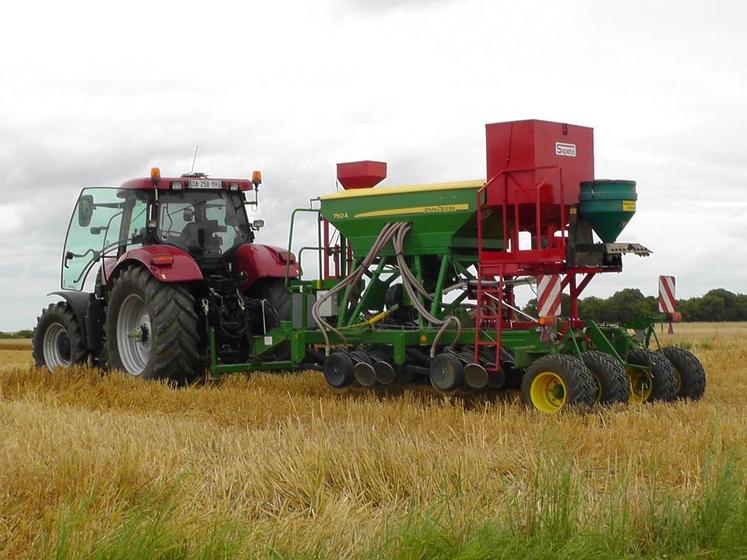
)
(203, 223)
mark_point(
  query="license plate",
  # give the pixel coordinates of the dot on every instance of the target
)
(205, 184)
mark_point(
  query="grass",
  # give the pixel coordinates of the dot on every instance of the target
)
(96, 466)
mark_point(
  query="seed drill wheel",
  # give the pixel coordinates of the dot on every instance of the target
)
(447, 372)
(609, 376)
(363, 370)
(655, 381)
(383, 369)
(338, 370)
(151, 329)
(57, 339)
(691, 377)
(557, 381)
(476, 376)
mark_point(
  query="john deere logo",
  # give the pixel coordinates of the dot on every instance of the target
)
(443, 208)
(440, 209)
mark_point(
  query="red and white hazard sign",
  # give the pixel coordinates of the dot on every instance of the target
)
(548, 295)
(667, 301)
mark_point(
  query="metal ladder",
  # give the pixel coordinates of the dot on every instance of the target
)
(489, 296)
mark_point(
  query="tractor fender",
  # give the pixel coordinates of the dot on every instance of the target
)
(79, 302)
(166, 263)
(264, 261)
(89, 313)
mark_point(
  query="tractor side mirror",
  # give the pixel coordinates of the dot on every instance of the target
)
(85, 210)
(188, 214)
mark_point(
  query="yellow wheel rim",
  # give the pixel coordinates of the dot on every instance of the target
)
(678, 381)
(598, 384)
(641, 384)
(548, 392)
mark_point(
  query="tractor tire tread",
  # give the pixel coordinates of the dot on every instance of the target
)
(65, 315)
(665, 377)
(174, 327)
(580, 384)
(614, 380)
(691, 372)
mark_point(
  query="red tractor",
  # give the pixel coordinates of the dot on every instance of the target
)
(175, 258)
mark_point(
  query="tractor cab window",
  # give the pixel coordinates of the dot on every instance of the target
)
(203, 223)
(104, 223)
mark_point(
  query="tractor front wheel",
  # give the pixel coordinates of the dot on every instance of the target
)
(609, 376)
(556, 382)
(57, 340)
(151, 328)
(691, 375)
(655, 380)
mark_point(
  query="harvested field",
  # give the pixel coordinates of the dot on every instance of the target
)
(96, 465)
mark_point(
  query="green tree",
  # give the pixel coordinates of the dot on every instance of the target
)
(716, 305)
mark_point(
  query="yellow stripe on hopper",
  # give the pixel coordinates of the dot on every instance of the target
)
(378, 191)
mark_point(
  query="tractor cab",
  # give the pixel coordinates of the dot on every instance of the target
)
(204, 217)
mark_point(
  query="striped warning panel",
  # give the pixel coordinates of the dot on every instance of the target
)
(667, 301)
(548, 295)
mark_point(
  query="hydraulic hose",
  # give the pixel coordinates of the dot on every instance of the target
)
(385, 235)
(412, 285)
(396, 233)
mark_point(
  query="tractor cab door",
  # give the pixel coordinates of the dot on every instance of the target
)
(105, 221)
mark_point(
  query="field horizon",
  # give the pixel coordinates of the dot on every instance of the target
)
(99, 465)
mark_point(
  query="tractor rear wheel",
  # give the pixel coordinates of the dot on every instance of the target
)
(609, 376)
(57, 339)
(275, 293)
(655, 381)
(691, 375)
(151, 328)
(273, 290)
(556, 382)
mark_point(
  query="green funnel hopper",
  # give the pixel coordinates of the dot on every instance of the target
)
(443, 216)
(608, 206)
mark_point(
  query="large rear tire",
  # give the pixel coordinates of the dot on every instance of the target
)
(277, 296)
(557, 382)
(58, 341)
(657, 384)
(152, 329)
(609, 376)
(691, 375)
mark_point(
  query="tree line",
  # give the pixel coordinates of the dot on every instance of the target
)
(716, 305)
(16, 335)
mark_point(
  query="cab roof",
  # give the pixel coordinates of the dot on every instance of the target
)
(188, 183)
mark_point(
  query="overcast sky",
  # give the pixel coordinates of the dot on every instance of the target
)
(92, 94)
